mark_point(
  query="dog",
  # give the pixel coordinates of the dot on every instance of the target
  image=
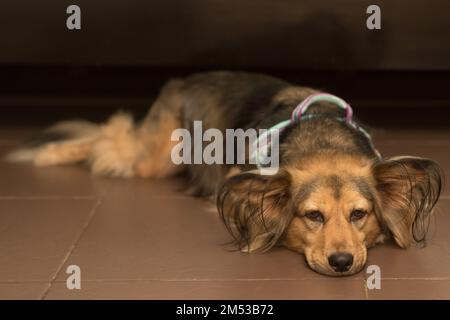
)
(332, 198)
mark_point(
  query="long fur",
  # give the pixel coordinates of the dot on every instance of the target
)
(410, 188)
(110, 149)
(255, 209)
(262, 211)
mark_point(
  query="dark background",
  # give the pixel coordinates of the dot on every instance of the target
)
(127, 49)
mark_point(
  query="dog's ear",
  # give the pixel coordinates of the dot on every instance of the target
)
(409, 188)
(255, 209)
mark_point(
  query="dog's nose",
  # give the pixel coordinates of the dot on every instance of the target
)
(340, 261)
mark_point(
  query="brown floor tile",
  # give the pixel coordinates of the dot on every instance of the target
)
(412, 290)
(148, 240)
(22, 291)
(432, 261)
(326, 288)
(429, 262)
(145, 188)
(26, 180)
(138, 237)
(187, 257)
(36, 236)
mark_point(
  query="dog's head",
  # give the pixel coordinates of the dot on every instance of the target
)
(332, 207)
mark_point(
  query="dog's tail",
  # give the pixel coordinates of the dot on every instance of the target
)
(109, 149)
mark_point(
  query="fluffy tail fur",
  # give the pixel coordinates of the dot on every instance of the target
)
(110, 149)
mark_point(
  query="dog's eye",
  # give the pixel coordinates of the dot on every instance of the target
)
(357, 215)
(316, 216)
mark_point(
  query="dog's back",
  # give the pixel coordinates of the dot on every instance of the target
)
(220, 100)
(233, 100)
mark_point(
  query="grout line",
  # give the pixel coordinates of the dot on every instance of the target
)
(203, 280)
(215, 280)
(168, 280)
(366, 290)
(72, 248)
(249, 280)
(224, 280)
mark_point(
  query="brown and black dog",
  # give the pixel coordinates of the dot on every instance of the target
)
(331, 199)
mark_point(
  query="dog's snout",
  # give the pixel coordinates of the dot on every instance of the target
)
(340, 261)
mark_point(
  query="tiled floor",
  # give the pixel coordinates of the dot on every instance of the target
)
(143, 239)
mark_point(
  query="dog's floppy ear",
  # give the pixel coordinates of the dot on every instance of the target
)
(255, 209)
(409, 187)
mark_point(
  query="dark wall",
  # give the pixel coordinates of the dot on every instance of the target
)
(127, 49)
(278, 34)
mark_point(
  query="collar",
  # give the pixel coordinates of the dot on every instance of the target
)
(263, 143)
